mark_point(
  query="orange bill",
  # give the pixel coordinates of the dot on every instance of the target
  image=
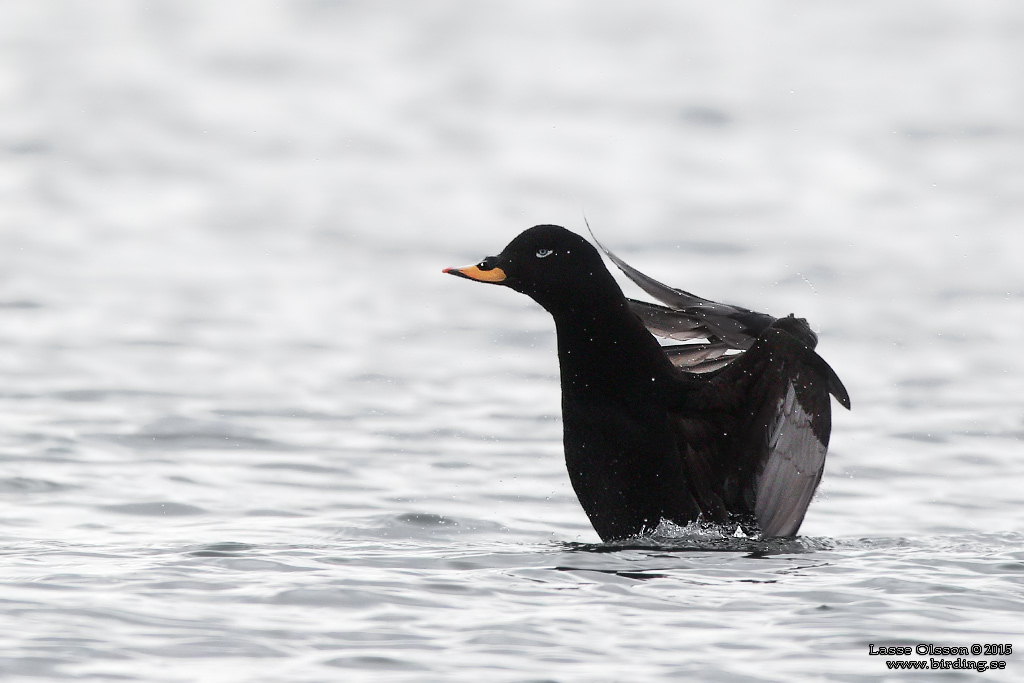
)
(475, 273)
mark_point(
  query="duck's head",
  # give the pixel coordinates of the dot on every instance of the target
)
(554, 267)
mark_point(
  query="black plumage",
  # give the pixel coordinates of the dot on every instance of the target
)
(729, 429)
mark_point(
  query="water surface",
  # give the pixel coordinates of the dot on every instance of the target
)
(251, 433)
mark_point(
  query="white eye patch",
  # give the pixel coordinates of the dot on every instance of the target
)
(544, 253)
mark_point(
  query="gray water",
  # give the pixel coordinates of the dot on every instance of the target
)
(251, 433)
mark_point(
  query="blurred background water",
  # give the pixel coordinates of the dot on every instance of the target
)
(251, 433)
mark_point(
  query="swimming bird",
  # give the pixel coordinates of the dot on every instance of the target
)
(733, 428)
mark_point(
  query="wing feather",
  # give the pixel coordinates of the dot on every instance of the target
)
(781, 386)
(701, 357)
(736, 326)
(773, 402)
(792, 469)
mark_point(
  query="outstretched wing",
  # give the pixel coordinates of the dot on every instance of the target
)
(772, 388)
(734, 326)
(780, 388)
(728, 329)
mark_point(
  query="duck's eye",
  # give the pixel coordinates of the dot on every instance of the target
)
(544, 253)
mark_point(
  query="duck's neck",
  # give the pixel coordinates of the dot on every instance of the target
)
(608, 353)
